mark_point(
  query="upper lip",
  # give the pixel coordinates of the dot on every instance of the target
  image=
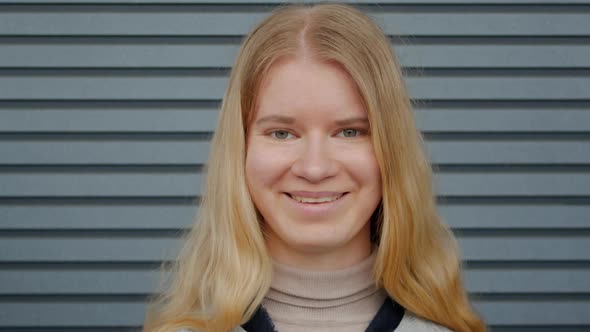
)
(315, 194)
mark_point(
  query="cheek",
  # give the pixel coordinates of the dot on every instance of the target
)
(264, 166)
(364, 168)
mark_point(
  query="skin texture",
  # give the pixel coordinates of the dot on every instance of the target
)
(298, 144)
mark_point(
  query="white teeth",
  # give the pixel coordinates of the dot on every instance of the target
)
(316, 199)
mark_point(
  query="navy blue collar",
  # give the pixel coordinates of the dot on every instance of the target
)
(386, 320)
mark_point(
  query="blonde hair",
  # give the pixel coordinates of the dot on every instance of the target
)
(224, 269)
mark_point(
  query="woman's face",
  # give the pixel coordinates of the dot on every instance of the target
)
(310, 165)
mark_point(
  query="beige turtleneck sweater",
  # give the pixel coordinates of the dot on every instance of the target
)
(341, 300)
(344, 300)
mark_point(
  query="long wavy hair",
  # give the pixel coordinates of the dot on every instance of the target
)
(224, 269)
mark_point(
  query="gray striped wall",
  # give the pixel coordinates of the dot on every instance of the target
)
(106, 108)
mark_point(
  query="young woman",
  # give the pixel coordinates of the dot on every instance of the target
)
(318, 212)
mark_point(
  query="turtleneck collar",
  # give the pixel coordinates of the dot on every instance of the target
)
(322, 288)
(303, 298)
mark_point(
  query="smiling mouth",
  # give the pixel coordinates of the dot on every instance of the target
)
(316, 200)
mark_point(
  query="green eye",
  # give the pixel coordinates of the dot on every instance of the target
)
(280, 134)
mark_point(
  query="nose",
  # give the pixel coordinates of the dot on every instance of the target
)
(314, 161)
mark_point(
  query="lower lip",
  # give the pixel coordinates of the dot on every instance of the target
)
(315, 209)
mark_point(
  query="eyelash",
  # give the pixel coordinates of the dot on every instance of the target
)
(359, 132)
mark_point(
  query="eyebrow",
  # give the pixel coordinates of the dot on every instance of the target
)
(348, 122)
(290, 120)
(276, 118)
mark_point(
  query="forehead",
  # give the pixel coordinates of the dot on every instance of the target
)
(293, 85)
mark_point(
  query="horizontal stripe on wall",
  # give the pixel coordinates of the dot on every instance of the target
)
(162, 184)
(152, 216)
(104, 55)
(117, 152)
(55, 282)
(173, 22)
(212, 88)
(154, 119)
(108, 313)
(143, 248)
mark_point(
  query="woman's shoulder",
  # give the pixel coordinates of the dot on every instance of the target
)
(412, 323)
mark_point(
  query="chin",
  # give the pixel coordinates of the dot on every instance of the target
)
(319, 245)
(323, 242)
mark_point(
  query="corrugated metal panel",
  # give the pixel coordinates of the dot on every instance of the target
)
(106, 111)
